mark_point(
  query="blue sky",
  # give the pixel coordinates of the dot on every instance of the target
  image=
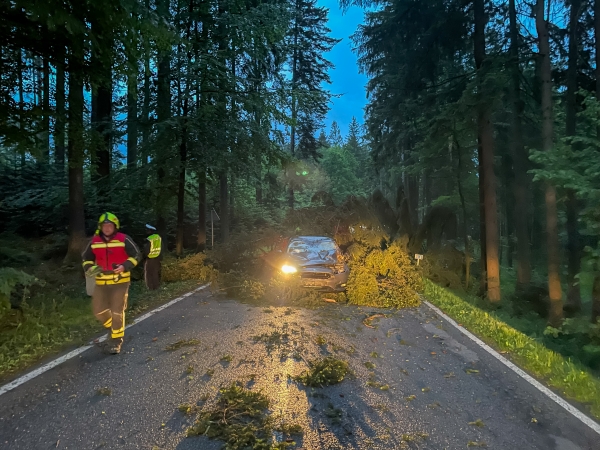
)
(345, 77)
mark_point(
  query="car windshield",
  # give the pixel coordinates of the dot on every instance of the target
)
(313, 248)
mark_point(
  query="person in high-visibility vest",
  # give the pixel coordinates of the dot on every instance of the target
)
(110, 256)
(152, 258)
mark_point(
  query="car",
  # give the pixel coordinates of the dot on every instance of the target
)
(317, 261)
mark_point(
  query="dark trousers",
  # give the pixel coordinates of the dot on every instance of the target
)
(152, 273)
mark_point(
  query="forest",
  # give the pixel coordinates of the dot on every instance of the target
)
(162, 111)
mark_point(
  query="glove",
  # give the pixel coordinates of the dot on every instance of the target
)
(93, 271)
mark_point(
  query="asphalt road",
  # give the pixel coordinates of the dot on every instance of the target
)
(440, 384)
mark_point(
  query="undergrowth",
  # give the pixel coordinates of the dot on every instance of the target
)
(569, 377)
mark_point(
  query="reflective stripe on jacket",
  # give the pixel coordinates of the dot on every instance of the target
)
(108, 255)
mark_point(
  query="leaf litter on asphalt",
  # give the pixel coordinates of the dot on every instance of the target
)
(240, 418)
(181, 343)
(478, 423)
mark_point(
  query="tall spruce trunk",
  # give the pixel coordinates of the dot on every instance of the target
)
(101, 119)
(183, 154)
(132, 120)
(486, 136)
(101, 63)
(596, 286)
(508, 181)
(59, 124)
(146, 104)
(482, 234)
(224, 203)
(201, 237)
(555, 314)
(21, 104)
(573, 303)
(427, 190)
(520, 161)
(163, 113)
(201, 102)
(76, 147)
(413, 200)
(46, 110)
(463, 204)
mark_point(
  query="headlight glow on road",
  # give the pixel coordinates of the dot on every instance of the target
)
(288, 269)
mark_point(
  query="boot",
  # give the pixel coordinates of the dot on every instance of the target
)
(115, 346)
(105, 343)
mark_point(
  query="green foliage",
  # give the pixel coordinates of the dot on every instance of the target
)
(240, 420)
(324, 372)
(191, 267)
(384, 278)
(9, 279)
(342, 167)
(573, 164)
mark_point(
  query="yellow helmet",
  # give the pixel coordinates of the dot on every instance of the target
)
(108, 218)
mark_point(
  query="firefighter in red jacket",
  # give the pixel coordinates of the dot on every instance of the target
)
(112, 255)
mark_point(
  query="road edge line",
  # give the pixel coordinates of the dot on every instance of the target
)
(535, 383)
(58, 361)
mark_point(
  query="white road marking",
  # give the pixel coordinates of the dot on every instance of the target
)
(535, 383)
(56, 362)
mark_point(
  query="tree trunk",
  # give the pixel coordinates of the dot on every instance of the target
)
(520, 161)
(201, 240)
(555, 291)
(224, 202)
(21, 104)
(573, 303)
(46, 110)
(101, 108)
(428, 187)
(59, 124)
(486, 136)
(146, 105)
(101, 111)
(596, 286)
(183, 151)
(596, 298)
(510, 221)
(163, 114)
(132, 121)
(413, 200)
(76, 146)
(232, 194)
(459, 174)
(482, 237)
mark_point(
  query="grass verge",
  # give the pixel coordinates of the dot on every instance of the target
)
(55, 320)
(571, 379)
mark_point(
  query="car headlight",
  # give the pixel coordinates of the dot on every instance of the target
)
(288, 269)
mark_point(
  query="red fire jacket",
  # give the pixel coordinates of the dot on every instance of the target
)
(109, 253)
